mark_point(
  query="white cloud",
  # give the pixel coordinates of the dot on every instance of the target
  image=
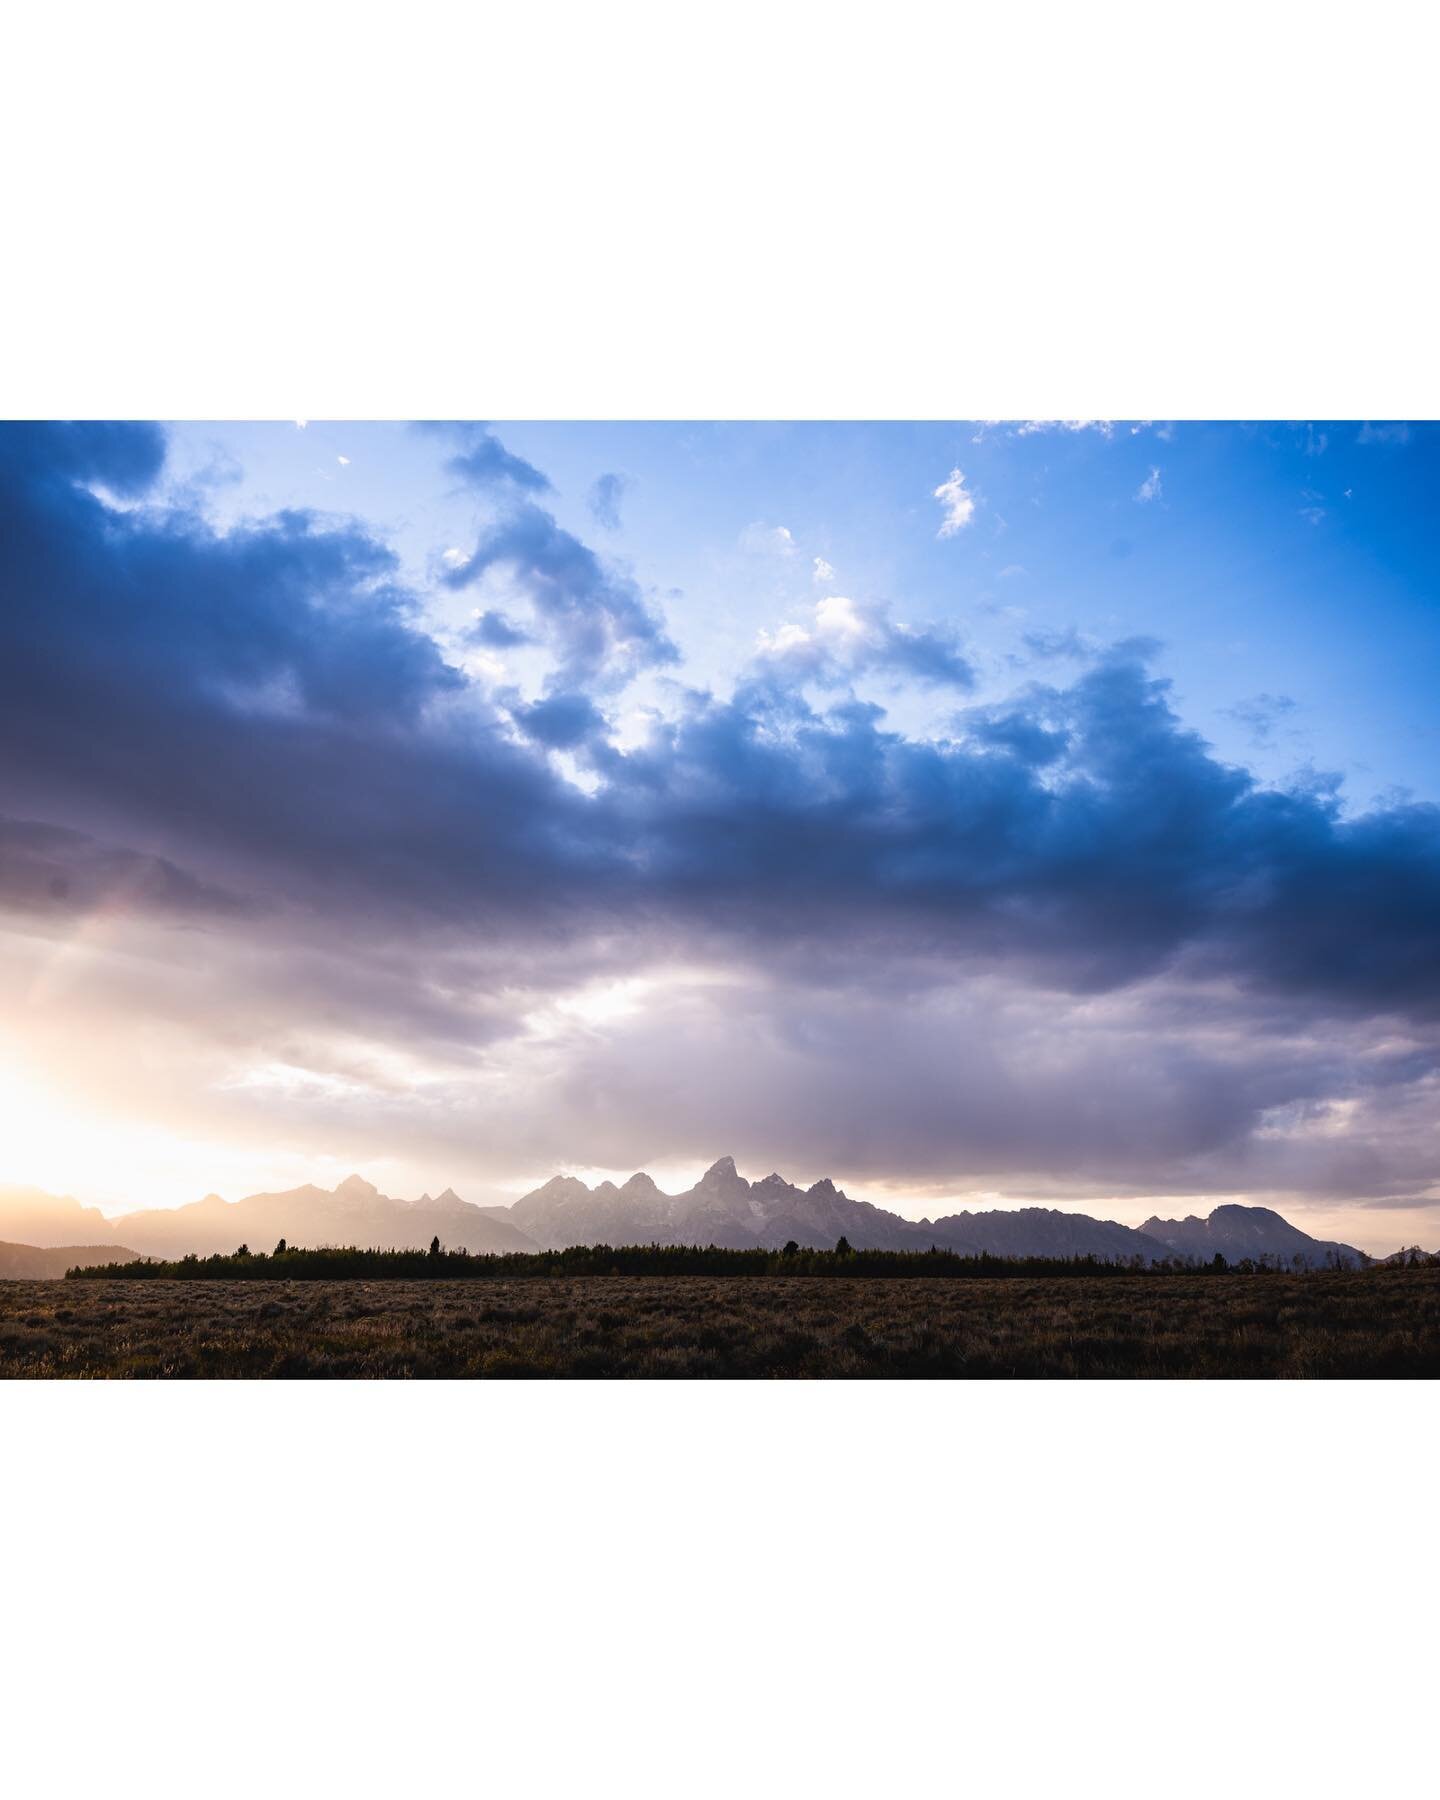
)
(1383, 431)
(959, 504)
(1149, 488)
(847, 637)
(838, 625)
(344, 461)
(760, 538)
(823, 570)
(1028, 427)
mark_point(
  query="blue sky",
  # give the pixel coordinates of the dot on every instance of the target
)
(1288, 571)
(981, 814)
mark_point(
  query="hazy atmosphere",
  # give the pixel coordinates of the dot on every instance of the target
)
(977, 814)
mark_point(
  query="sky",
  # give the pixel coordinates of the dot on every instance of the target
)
(982, 814)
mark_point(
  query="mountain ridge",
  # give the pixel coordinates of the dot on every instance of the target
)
(721, 1208)
(1236, 1232)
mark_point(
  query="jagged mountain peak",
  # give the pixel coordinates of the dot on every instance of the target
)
(722, 1168)
(563, 1184)
(640, 1183)
(357, 1186)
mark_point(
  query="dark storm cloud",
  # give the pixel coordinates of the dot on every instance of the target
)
(262, 707)
(263, 697)
(126, 459)
(1016, 731)
(561, 721)
(595, 621)
(48, 871)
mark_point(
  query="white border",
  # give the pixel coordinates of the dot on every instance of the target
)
(656, 1590)
(775, 210)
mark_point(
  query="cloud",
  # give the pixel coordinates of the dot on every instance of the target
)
(561, 722)
(1050, 644)
(594, 620)
(46, 870)
(1383, 431)
(605, 496)
(1030, 427)
(845, 639)
(494, 631)
(823, 571)
(483, 462)
(772, 540)
(1261, 714)
(957, 502)
(147, 663)
(1105, 428)
(1149, 488)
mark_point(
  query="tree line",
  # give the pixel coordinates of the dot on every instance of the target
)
(338, 1263)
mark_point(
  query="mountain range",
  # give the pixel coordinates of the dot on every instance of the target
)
(722, 1208)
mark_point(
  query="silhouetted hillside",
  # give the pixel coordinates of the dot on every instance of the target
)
(1236, 1232)
(355, 1212)
(28, 1262)
(30, 1216)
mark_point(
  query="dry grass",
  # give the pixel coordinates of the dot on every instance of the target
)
(702, 1326)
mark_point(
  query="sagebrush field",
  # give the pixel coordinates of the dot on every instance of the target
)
(1381, 1323)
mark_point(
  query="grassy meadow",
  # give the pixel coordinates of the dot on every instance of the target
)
(1120, 1325)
